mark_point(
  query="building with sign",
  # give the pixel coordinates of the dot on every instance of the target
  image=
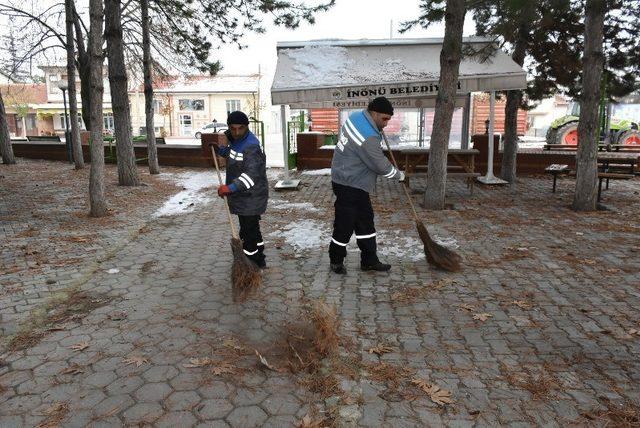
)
(184, 105)
(346, 74)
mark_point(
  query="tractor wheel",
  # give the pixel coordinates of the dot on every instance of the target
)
(630, 137)
(551, 135)
(567, 134)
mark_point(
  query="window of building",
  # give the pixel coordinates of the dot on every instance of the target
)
(60, 121)
(191, 104)
(233, 105)
(157, 106)
(108, 121)
(53, 84)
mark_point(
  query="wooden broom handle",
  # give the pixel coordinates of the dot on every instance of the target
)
(404, 186)
(226, 203)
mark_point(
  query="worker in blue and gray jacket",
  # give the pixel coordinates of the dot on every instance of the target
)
(246, 188)
(358, 160)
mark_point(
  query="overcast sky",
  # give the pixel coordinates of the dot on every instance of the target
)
(348, 19)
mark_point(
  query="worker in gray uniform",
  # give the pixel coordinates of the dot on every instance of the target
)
(357, 162)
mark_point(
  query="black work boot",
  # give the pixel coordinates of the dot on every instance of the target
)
(377, 266)
(259, 260)
(339, 268)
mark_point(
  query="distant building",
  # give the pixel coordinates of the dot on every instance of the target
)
(51, 111)
(20, 100)
(182, 105)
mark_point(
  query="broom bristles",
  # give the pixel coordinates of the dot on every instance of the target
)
(245, 275)
(436, 254)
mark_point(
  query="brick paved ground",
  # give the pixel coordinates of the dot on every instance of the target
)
(540, 328)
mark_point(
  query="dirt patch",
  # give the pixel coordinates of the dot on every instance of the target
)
(540, 384)
(66, 306)
(619, 415)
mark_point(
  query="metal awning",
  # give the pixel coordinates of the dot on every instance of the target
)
(346, 73)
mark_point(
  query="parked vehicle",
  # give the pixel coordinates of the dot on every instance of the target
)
(564, 130)
(212, 128)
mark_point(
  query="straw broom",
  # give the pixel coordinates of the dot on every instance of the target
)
(436, 254)
(245, 275)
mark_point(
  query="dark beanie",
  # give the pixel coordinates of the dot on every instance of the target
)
(237, 118)
(381, 105)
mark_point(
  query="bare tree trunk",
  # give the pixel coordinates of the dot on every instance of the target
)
(445, 102)
(510, 154)
(84, 70)
(6, 150)
(97, 197)
(152, 151)
(127, 169)
(71, 76)
(585, 197)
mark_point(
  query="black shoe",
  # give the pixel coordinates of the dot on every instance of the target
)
(378, 266)
(338, 268)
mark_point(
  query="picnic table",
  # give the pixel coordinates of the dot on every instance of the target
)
(610, 167)
(460, 162)
(601, 147)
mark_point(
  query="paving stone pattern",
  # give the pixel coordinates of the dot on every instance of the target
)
(560, 291)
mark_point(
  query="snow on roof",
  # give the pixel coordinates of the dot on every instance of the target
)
(361, 62)
(316, 71)
(199, 84)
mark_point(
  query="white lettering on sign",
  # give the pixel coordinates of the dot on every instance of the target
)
(365, 92)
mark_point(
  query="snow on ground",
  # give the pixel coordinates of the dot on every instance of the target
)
(397, 244)
(192, 195)
(323, 171)
(303, 206)
(393, 244)
(313, 234)
(304, 234)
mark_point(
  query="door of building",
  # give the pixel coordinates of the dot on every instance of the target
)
(186, 125)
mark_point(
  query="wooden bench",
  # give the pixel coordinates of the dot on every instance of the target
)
(611, 176)
(44, 138)
(555, 170)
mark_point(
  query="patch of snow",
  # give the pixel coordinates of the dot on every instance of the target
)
(304, 206)
(319, 63)
(447, 241)
(393, 244)
(305, 234)
(410, 247)
(192, 195)
(113, 270)
(324, 64)
(324, 171)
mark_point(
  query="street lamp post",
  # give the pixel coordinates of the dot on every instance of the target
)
(67, 133)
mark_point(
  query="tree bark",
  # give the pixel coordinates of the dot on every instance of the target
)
(585, 197)
(84, 69)
(147, 65)
(71, 76)
(510, 154)
(445, 102)
(97, 197)
(127, 169)
(6, 150)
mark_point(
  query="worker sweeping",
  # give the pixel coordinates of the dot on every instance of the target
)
(358, 160)
(246, 187)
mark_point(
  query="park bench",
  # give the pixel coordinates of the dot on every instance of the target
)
(44, 138)
(557, 170)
